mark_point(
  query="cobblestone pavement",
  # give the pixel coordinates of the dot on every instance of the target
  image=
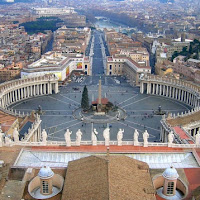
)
(58, 109)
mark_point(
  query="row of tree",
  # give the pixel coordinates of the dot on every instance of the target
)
(192, 52)
(42, 24)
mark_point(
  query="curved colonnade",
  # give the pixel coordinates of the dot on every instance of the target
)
(21, 89)
(183, 91)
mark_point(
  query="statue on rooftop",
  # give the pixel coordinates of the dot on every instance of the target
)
(170, 137)
(44, 136)
(16, 135)
(68, 138)
(145, 138)
(78, 137)
(135, 137)
(120, 137)
(1, 138)
(106, 135)
(197, 138)
(94, 137)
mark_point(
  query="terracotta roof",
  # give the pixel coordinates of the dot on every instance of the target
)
(193, 177)
(108, 177)
(104, 101)
(6, 121)
(181, 133)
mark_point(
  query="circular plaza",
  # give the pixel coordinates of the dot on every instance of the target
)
(140, 110)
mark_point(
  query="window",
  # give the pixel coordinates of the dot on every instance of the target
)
(85, 66)
(110, 67)
(45, 188)
(170, 188)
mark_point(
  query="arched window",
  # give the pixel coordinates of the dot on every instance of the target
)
(45, 187)
(170, 188)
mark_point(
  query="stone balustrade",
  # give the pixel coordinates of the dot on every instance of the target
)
(20, 89)
(36, 138)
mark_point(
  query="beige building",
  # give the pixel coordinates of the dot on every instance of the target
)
(126, 66)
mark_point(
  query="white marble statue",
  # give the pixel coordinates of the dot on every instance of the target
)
(106, 135)
(120, 137)
(135, 137)
(68, 138)
(170, 138)
(78, 137)
(197, 138)
(7, 141)
(145, 138)
(16, 135)
(44, 136)
(1, 139)
(94, 137)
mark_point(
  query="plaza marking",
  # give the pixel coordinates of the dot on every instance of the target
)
(23, 100)
(63, 123)
(135, 102)
(143, 125)
(63, 101)
(69, 99)
(153, 110)
(172, 100)
(64, 128)
(128, 99)
(150, 135)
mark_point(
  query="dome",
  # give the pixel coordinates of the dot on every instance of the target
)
(45, 172)
(170, 173)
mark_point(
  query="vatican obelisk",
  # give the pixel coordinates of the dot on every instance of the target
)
(99, 106)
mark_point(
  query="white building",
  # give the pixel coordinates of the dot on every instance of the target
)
(56, 63)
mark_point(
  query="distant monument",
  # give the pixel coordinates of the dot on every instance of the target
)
(160, 111)
(100, 106)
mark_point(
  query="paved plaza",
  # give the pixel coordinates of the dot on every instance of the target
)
(58, 109)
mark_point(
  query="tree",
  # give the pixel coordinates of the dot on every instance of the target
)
(85, 100)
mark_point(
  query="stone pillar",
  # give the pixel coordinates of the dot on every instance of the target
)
(173, 92)
(22, 93)
(179, 95)
(19, 96)
(45, 89)
(156, 89)
(31, 90)
(8, 97)
(28, 91)
(56, 87)
(153, 88)
(160, 92)
(170, 91)
(50, 88)
(34, 90)
(40, 89)
(176, 93)
(141, 87)
(167, 92)
(16, 96)
(164, 90)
